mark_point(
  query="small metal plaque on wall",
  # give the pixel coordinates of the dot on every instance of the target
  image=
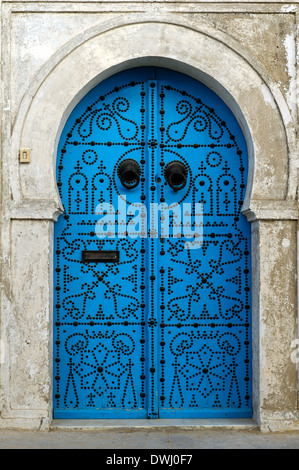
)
(24, 155)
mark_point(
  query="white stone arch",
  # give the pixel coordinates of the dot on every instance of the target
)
(204, 53)
(214, 58)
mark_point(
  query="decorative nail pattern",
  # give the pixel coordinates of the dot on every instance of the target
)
(166, 331)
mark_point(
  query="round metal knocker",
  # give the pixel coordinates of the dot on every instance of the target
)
(176, 175)
(129, 173)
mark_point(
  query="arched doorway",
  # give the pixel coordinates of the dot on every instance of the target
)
(148, 323)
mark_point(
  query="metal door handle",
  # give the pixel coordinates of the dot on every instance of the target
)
(176, 175)
(129, 173)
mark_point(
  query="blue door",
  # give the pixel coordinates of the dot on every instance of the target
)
(152, 254)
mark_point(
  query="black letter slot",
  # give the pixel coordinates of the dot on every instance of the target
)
(103, 256)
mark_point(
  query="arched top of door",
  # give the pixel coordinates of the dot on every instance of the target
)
(215, 59)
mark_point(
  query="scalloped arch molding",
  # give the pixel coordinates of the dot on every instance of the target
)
(215, 58)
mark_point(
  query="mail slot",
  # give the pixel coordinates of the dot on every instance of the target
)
(103, 256)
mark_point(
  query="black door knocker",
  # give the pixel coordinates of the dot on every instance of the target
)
(176, 175)
(129, 173)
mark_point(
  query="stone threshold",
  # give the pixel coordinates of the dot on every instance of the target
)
(147, 424)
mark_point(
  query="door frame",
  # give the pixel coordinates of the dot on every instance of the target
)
(269, 204)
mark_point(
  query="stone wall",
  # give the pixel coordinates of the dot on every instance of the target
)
(54, 52)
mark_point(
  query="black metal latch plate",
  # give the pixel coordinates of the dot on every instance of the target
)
(102, 256)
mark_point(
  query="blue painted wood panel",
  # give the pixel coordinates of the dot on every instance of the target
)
(166, 330)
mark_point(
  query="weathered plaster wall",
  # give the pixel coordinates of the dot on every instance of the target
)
(271, 38)
(33, 41)
(52, 53)
(30, 323)
(277, 320)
